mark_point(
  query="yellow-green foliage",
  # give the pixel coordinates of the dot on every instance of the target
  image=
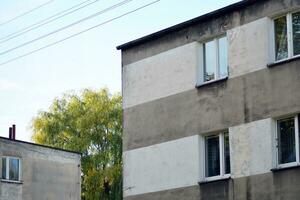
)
(90, 123)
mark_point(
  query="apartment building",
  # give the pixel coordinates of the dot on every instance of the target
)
(211, 106)
(34, 172)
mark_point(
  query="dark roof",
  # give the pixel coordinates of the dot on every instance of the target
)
(40, 145)
(205, 17)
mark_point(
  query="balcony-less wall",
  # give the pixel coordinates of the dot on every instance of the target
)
(172, 169)
(269, 186)
(47, 174)
(269, 92)
(159, 76)
(168, 165)
(161, 105)
(251, 148)
(174, 71)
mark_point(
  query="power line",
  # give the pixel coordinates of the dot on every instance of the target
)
(39, 22)
(45, 21)
(68, 26)
(76, 34)
(25, 13)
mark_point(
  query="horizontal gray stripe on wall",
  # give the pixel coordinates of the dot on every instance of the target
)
(186, 193)
(207, 30)
(270, 186)
(270, 92)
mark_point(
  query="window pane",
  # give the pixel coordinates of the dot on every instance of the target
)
(299, 131)
(212, 156)
(3, 168)
(281, 46)
(223, 66)
(13, 169)
(296, 32)
(226, 153)
(209, 60)
(286, 141)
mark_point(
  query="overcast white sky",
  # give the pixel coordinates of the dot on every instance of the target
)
(90, 60)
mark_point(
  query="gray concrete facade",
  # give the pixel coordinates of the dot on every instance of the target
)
(208, 28)
(46, 173)
(270, 186)
(254, 96)
(167, 117)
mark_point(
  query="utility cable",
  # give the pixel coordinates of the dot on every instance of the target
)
(25, 13)
(45, 21)
(68, 26)
(76, 34)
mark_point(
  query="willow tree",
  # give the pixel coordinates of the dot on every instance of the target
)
(90, 123)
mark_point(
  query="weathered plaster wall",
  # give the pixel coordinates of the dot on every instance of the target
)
(160, 167)
(160, 75)
(159, 109)
(10, 191)
(163, 74)
(186, 193)
(249, 47)
(208, 29)
(270, 92)
(282, 185)
(47, 174)
(251, 146)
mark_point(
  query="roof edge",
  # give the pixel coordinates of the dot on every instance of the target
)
(40, 145)
(201, 18)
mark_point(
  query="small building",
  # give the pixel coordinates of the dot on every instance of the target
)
(31, 171)
(212, 106)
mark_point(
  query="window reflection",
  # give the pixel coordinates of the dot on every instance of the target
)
(223, 66)
(209, 60)
(296, 32)
(3, 168)
(226, 153)
(286, 141)
(281, 45)
(212, 156)
(14, 169)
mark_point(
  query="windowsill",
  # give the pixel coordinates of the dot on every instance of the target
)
(10, 181)
(211, 82)
(280, 62)
(285, 168)
(214, 180)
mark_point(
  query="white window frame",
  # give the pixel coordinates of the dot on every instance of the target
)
(222, 158)
(297, 162)
(7, 169)
(201, 72)
(290, 44)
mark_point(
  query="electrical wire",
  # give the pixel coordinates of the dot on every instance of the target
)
(76, 34)
(45, 21)
(25, 13)
(68, 26)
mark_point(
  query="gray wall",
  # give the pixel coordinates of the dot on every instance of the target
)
(166, 117)
(47, 174)
(283, 185)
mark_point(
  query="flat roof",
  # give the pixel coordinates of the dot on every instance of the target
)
(202, 18)
(40, 145)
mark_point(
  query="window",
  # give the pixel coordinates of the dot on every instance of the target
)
(287, 36)
(11, 169)
(287, 138)
(217, 156)
(214, 60)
